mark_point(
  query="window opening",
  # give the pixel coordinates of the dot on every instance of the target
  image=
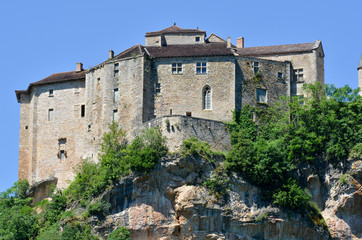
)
(256, 67)
(261, 95)
(280, 75)
(158, 88)
(50, 115)
(207, 98)
(188, 114)
(201, 68)
(115, 115)
(115, 95)
(298, 74)
(82, 111)
(176, 68)
(62, 154)
(51, 93)
(197, 39)
(116, 73)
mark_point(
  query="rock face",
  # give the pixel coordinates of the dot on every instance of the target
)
(343, 207)
(171, 204)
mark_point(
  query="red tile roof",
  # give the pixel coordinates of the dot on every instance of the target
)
(174, 29)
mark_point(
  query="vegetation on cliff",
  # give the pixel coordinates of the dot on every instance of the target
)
(269, 145)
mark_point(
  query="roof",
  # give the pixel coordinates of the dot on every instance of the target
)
(174, 29)
(278, 49)
(194, 50)
(135, 50)
(54, 78)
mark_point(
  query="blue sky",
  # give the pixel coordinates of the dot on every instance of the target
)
(39, 38)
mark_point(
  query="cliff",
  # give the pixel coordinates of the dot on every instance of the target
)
(171, 202)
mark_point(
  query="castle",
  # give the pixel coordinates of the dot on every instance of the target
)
(180, 80)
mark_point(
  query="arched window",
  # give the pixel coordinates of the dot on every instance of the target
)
(207, 98)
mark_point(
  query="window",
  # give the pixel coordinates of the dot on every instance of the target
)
(116, 73)
(158, 88)
(261, 95)
(197, 39)
(82, 110)
(115, 95)
(280, 75)
(176, 68)
(115, 115)
(98, 81)
(116, 65)
(201, 68)
(207, 98)
(298, 75)
(51, 93)
(189, 114)
(62, 154)
(256, 67)
(50, 115)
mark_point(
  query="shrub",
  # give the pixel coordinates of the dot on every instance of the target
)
(77, 231)
(120, 233)
(99, 207)
(193, 146)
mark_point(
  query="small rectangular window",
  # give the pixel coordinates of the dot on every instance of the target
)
(50, 115)
(197, 39)
(280, 75)
(176, 68)
(256, 67)
(298, 75)
(51, 93)
(62, 154)
(188, 114)
(201, 68)
(115, 115)
(158, 88)
(116, 73)
(116, 65)
(115, 95)
(98, 81)
(261, 95)
(82, 111)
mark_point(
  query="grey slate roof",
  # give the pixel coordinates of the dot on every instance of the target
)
(194, 50)
(277, 49)
(174, 29)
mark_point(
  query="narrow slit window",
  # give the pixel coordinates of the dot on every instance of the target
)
(115, 115)
(62, 154)
(256, 67)
(207, 98)
(51, 93)
(82, 111)
(50, 114)
(158, 88)
(115, 95)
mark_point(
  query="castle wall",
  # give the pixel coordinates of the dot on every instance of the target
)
(46, 138)
(183, 39)
(177, 129)
(268, 79)
(312, 64)
(181, 93)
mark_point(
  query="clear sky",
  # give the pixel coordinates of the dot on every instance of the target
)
(39, 38)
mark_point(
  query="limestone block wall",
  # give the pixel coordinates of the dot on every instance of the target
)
(268, 79)
(312, 64)
(45, 137)
(181, 93)
(183, 39)
(177, 129)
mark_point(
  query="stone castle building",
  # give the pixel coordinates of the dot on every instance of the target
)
(181, 80)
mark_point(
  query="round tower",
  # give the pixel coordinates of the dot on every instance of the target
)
(360, 76)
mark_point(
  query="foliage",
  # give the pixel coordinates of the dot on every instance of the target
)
(193, 146)
(218, 184)
(77, 231)
(99, 207)
(120, 233)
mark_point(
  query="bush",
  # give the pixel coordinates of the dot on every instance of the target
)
(120, 233)
(193, 146)
(99, 207)
(77, 231)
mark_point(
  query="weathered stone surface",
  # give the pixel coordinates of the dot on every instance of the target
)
(162, 206)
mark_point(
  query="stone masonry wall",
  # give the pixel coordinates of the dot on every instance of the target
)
(268, 79)
(45, 138)
(181, 93)
(177, 129)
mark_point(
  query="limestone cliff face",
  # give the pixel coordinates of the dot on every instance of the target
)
(171, 204)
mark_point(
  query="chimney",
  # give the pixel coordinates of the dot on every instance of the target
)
(79, 67)
(229, 42)
(240, 42)
(111, 54)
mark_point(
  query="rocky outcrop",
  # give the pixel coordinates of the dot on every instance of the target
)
(172, 204)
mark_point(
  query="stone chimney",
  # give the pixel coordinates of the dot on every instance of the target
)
(360, 76)
(229, 42)
(79, 67)
(240, 42)
(111, 54)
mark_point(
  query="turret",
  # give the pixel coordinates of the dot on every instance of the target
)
(360, 76)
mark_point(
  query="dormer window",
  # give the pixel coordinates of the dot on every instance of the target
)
(197, 39)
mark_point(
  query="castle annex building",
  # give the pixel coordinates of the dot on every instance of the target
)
(192, 80)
